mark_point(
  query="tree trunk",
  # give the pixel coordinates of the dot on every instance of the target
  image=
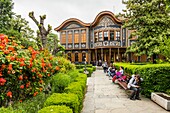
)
(40, 25)
(154, 58)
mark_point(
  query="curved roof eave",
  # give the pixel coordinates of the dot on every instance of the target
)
(100, 15)
(71, 20)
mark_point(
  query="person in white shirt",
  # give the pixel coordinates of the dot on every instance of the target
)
(134, 84)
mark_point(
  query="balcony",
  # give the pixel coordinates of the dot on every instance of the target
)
(107, 43)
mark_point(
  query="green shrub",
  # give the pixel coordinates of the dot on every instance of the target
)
(89, 65)
(31, 105)
(76, 88)
(70, 100)
(82, 78)
(94, 68)
(90, 70)
(81, 70)
(56, 109)
(73, 74)
(6, 110)
(59, 82)
(80, 66)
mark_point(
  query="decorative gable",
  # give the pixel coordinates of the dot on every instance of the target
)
(106, 22)
(71, 26)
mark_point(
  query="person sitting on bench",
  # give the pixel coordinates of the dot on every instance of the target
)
(134, 84)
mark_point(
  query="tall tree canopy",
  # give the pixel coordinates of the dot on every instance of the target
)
(6, 14)
(150, 20)
(14, 25)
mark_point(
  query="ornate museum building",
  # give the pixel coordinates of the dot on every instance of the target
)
(103, 39)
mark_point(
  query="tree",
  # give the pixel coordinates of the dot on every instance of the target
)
(150, 20)
(164, 47)
(20, 29)
(6, 13)
(53, 45)
(42, 31)
(168, 5)
(13, 25)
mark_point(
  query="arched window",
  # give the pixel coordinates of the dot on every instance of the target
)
(83, 56)
(76, 57)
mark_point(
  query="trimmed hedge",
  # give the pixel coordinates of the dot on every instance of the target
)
(94, 68)
(73, 74)
(82, 78)
(76, 88)
(70, 100)
(59, 82)
(56, 109)
(156, 77)
(83, 65)
(90, 70)
(6, 110)
(81, 70)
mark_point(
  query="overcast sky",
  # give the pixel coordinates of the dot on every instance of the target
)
(58, 11)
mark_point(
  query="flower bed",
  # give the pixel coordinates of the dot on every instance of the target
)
(23, 72)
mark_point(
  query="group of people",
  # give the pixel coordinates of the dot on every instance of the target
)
(133, 82)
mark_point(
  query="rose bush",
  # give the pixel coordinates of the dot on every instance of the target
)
(23, 72)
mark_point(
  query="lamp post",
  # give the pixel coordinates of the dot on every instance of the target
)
(85, 65)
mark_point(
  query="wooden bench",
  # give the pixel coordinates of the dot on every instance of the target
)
(124, 86)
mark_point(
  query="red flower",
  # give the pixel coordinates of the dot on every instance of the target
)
(35, 94)
(57, 68)
(49, 65)
(51, 58)
(9, 94)
(22, 63)
(42, 64)
(2, 46)
(10, 48)
(12, 58)
(3, 66)
(0, 74)
(48, 75)
(27, 84)
(2, 81)
(33, 77)
(40, 75)
(10, 67)
(2, 36)
(40, 89)
(6, 51)
(20, 77)
(22, 87)
(41, 81)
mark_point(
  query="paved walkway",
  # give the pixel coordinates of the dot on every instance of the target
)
(105, 97)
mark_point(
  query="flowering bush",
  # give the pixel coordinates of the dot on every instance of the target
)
(23, 72)
(64, 64)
